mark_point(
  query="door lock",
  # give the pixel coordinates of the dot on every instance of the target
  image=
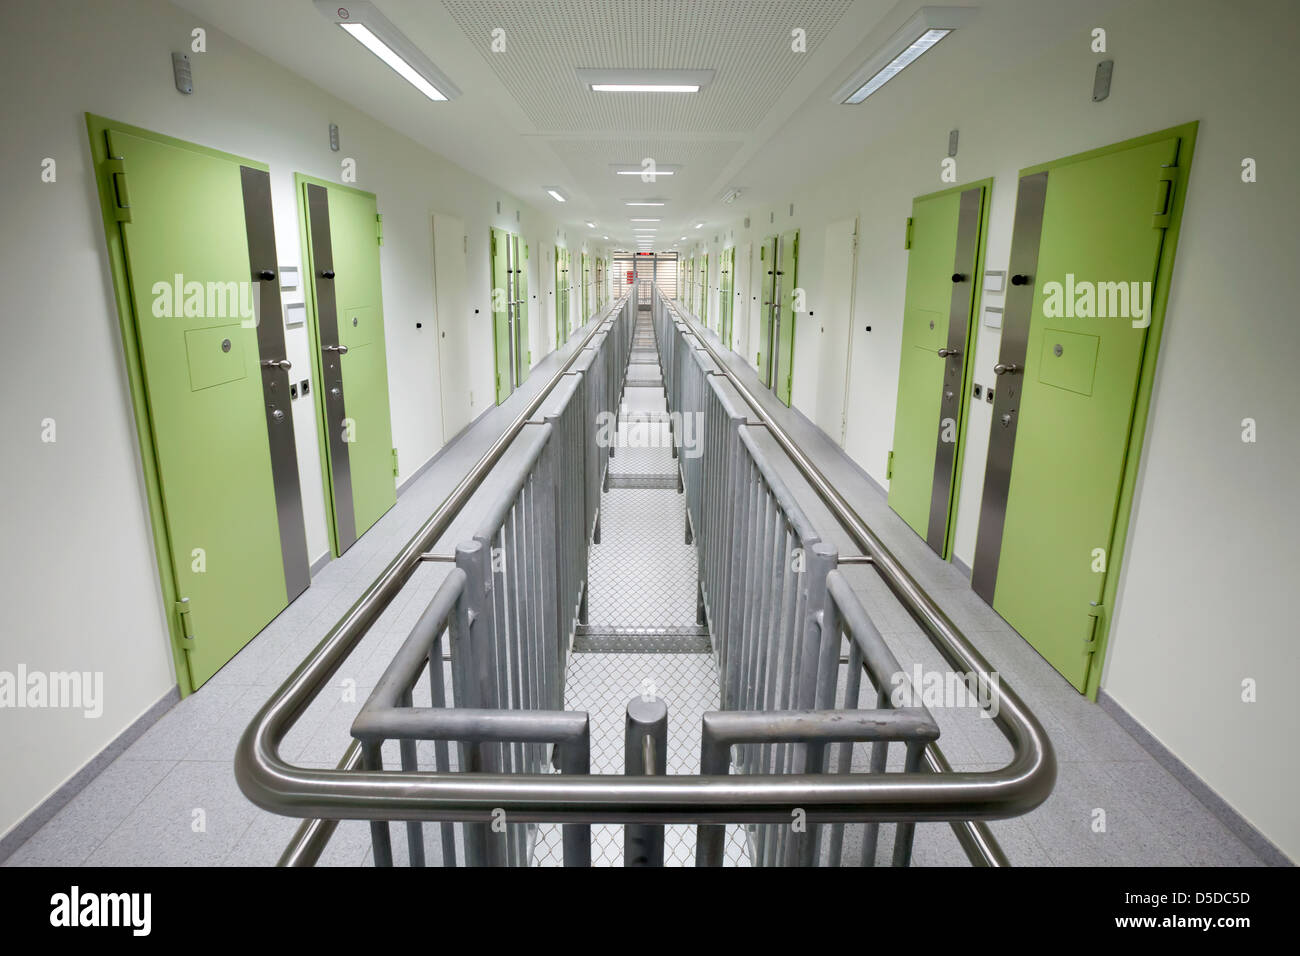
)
(1005, 419)
(329, 274)
(341, 349)
(958, 277)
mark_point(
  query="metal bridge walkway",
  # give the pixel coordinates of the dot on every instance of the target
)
(642, 638)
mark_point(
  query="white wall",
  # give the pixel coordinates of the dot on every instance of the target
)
(80, 582)
(1204, 600)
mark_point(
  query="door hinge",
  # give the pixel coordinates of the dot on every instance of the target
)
(1164, 197)
(187, 622)
(395, 472)
(889, 466)
(379, 228)
(1094, 616)
(907, 234)
(115, 166)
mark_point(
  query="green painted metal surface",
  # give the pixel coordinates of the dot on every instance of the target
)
(1103, 222)
(726, 296)
(355, 238)
(766, 296)
(500, 279)
(920, 370)
(522, 340)
(788, 280)
(200, 386)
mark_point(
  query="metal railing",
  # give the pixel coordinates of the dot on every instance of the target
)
(508, 642)
(1032, 768)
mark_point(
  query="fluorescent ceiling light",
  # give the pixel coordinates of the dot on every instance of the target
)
(920, 33)
(555, 194)
(699, 225)
(365, 24)
(646, 220)
(604, 237)
(591, 225)
(644, 81)
(660, 171)
(643, 204)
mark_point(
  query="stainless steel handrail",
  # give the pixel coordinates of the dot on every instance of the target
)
(272, 783)
(1031, 748)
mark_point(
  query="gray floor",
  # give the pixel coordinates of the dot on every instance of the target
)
(171, 798)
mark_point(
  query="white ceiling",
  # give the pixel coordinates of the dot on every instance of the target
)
(524, 121)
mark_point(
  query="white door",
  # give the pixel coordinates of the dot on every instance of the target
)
(747, 305)
(834, 317)
(450, 312)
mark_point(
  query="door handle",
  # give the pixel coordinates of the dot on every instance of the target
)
(266, 275)
(1019, 279)
(944, 353)
(958, 277)
(1009, 369)
(277, 363)
(341, 349)
(327, 274)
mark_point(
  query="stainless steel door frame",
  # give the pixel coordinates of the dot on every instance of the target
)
(331, 363)
(954, 357)
(1031, 198)
(260, 226)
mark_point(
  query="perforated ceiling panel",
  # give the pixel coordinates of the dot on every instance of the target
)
(747, 42)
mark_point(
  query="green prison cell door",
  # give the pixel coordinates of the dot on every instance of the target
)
(779, 260)
(943, 236)
(561, 297)
(1088, 248)
(509, 311)
(586, 289)
(704, 290)
(726, 305)
(193, 247)
(343, 237)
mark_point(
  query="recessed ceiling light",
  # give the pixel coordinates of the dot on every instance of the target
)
(731, 195)
(699, 225)
(591, 225)
(365, 24)
(555, 194)
(643, 204)
(644, 81)
(646, 220)
(917, 35)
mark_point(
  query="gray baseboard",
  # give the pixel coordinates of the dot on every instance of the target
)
(47, 808)
(1230, 818)
(320, 562)
(960, 565)
(410, 479)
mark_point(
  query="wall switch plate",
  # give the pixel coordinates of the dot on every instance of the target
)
(993, 316)
(288, 278)
(995, 281)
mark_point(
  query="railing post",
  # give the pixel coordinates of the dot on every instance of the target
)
(715, 760)
(645, 742)
(575, 757)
